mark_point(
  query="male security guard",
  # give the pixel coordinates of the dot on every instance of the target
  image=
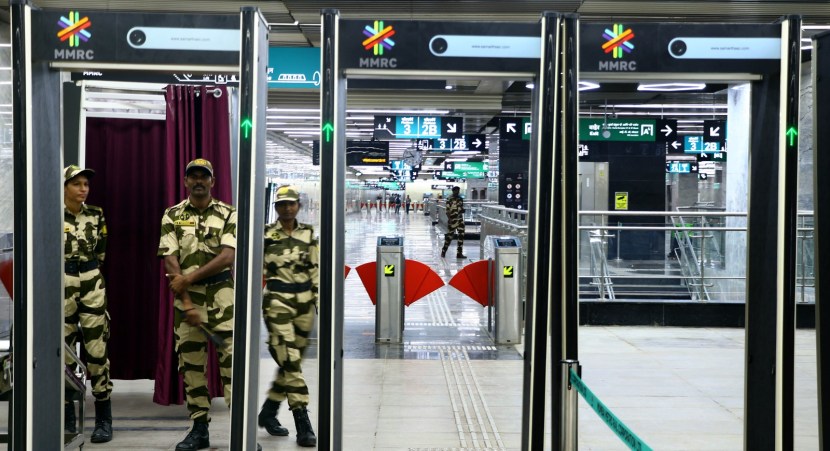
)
(290, 300)
(455, 223)
(85, 301)
(198, 243)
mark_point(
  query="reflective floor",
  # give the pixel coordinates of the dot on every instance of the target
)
(448, 387)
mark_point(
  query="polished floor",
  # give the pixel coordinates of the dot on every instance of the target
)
(448, 387)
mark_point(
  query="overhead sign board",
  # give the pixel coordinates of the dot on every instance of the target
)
(417, 127)
(604, 129)
(626, 47)
(146, 38)
(476, 142)
(681, 167)
(697, 144)
(513, 128)
(439, 45)
(294, 67)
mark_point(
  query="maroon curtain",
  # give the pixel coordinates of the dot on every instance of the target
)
(128, 158)
(197, 126)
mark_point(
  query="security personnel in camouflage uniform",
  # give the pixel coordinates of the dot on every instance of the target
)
(455, 223)
(290, 301)
(85, 300)
(198, 243)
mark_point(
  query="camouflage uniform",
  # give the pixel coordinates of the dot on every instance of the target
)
(85, 300)
(290, 301)
(195, 238)
(455, 223)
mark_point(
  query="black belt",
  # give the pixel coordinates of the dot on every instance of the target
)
(74, 267)
(282, 287)
(214, 279)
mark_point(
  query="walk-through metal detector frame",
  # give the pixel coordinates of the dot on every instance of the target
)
(551, 287)
(821, 193)
(36, 416)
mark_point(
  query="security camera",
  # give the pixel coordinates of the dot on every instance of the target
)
(137, 37)
(677, 48)
(438, 45)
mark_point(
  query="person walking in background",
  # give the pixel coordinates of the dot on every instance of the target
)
(455, 223)
(291, 269)
(408, 203)
(85, 299)
(198, 244)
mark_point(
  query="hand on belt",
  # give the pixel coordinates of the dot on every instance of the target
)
(75, 267)
(214, 279)
(282, 287)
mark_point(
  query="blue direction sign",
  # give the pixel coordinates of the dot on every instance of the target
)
(417, 127)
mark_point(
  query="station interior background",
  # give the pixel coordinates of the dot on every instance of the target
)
(293, 123)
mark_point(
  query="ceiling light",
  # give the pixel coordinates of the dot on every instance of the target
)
(448, 87)
(529, 85)
(587, 85)
(670, 87)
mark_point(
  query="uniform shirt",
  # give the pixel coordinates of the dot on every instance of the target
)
(291, 258)
(84, 235)
(194, 236)
(455, 207)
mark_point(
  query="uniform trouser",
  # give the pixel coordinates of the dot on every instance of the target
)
(454, 230)
(289, 318)
(215, 304)
(85, 316)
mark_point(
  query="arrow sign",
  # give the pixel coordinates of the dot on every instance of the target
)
(666, 130)
(792, 133)
(451, 128)
(327, 128)
(694, 168)
(511, 127)
(477, 143)
(714, 132)
(675, 145)
(246, 125)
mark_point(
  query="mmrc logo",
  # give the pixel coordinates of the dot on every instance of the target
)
(378, 37)
(617, 40)
(74, 28)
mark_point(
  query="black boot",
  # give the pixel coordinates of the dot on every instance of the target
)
(69, 420)
(103, 422)
(198, 438)
(268, 419)
(305, 433)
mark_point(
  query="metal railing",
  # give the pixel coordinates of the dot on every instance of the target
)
(705, 258)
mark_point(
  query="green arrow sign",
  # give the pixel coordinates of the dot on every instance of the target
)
(246, 125)
(328, 129)
(792, 133)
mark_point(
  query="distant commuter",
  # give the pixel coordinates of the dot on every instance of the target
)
(408, 203)
(198, 244)
(289, 303)
(455, 223)
(85, 300)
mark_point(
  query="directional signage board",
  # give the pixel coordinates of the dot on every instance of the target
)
(511, 128)
(697, 144)
(714, 131)
(477, 142)
(666, 130)
(464, 169)
(604, 129)
(681, 167)
(416, 127)
(452, 127)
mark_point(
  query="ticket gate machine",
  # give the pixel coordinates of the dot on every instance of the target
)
(505, 297)
(389, 309)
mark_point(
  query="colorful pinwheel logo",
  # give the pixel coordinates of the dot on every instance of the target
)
(378, 37)
(617, 40)
(74, 29)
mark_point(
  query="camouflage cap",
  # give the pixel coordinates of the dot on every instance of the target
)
(72, 171)
(288, 193)
(199, 163)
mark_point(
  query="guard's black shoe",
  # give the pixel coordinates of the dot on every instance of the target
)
(69, 419)
(198, 438)
(305, 434)
(268, 419)
(443, 253)
(103, 422)
(460, 255)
